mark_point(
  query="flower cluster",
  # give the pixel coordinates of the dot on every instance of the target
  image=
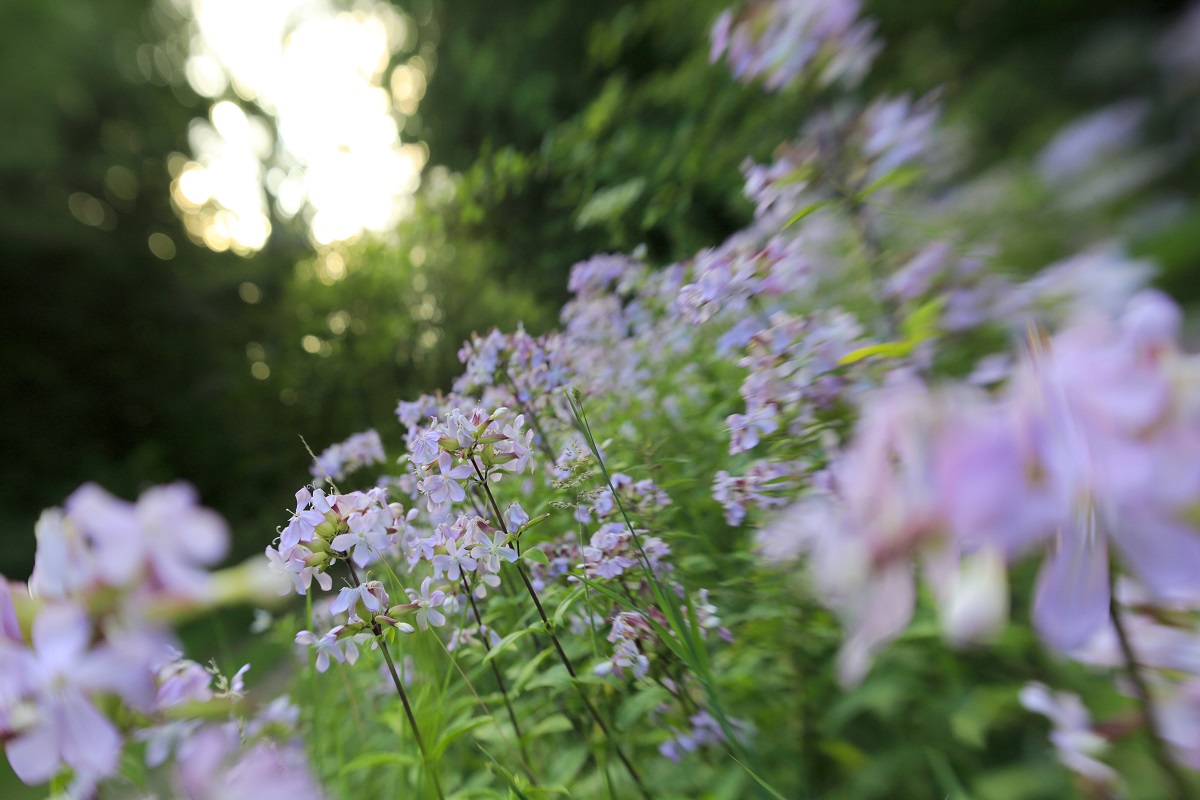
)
(89, 638)
(784, 40)
(1093, 440)
(339, 460)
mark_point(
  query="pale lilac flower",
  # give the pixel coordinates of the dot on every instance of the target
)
(181, 538)
(60, 725)
(745, 429)
(280, 714)
(303, 524)
(516, 516)
(164, 739)
(783, 40)
(626, 656)
(237, 684)
(444, 488)
(453, 562)
(327, 647)
(428, 602)
(212, 765)
(293, 563)
(513, 452)
(166, 534)
(183, 681)
(1077, 744)
(358, 451)
(1093, 142)
(1121, 465)
(366, 539)
(973, 597)
(63, 567)
(425, 446)
(489, 552)
(349, 598)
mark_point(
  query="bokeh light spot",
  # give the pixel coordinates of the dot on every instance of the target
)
(249, 292)
(161, 245)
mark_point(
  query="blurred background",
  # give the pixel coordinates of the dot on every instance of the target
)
(226, 225)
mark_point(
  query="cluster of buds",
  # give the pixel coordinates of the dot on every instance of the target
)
(325, 529)
(466, 446)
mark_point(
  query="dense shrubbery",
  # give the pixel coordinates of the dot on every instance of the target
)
(768, 519)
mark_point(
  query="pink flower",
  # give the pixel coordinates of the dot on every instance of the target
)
(166, 536)
(58, 724)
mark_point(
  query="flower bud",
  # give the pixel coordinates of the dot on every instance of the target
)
(403, 627)
(402, 609)
(348, 630)
(327, 529)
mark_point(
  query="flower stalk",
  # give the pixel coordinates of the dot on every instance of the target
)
(377, 629)
(1179, 784)
(562, 655)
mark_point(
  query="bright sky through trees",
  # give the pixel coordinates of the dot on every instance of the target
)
(327, 145)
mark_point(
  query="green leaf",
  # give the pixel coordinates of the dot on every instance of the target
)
(508, 776)
(455, 732)
(535, 554)
(555, 723)
(369, 760)
(554, 678)
(561, 611)
(527, 670)
(889, 349)
(609, 204)
(805, 211)
(948, 782)
(637, 706)
(766, 786)
(899, 177)
(922, 323)
(507, 641)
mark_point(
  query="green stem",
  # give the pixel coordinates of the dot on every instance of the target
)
(412, 719)
(512, 715)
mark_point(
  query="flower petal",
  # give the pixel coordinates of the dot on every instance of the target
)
(1071, 604)
(1164, 556)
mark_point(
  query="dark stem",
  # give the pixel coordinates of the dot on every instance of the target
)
(1179, 784)
(562, 656)
(487, 648)
(492, 501)
(412, 719)
(571, 671)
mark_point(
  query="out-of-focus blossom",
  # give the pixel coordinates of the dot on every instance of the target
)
(339, 460)
(783, 40)
(213, 765)
(182, 681)
(328, 648)
(1077, 744)
(166, 537)
(50, 717)
(1179, 50)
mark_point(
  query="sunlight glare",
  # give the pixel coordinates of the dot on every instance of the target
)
(321, 76)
